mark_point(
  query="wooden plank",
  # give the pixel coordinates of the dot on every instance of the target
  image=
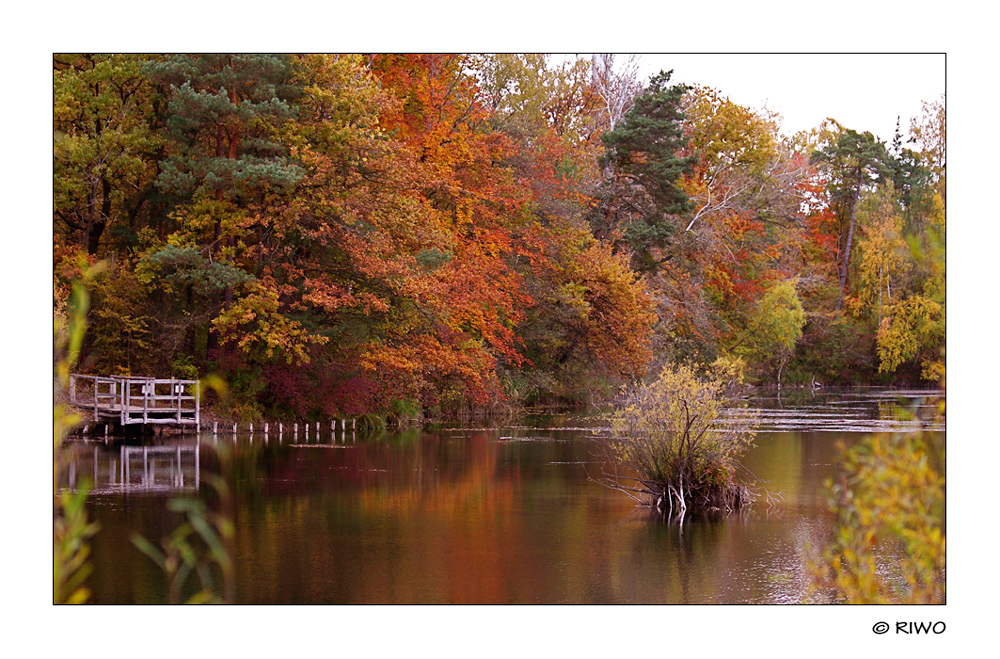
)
(167, 421)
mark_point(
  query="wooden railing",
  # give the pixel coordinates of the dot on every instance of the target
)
(137, 399)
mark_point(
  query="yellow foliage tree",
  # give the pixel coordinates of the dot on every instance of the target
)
(255, 324)
(883, 252)
(774, 327)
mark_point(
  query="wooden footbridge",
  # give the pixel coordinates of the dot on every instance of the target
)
(137, 400)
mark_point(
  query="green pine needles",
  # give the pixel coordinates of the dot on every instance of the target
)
(641, 197)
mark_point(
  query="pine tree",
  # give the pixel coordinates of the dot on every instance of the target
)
(856, 162)
(640, 197)
(225, 166)
(223, 112)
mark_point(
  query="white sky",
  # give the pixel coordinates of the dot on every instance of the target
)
(862, 92)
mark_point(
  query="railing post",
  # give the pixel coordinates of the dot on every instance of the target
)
(72, 388)
(95, 398)
(176, 390)
(197, 405)
(145, 401)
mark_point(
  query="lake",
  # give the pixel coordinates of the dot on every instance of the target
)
(473, 514)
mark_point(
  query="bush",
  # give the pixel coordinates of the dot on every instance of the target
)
(672, 449)
(889, 542)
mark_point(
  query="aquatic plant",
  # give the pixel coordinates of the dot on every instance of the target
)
(370, 424)
(672, 447)
(198, 547)
(71, 533)
(71, 530)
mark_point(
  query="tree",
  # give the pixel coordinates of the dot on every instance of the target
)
(120, 322)
(571, 105)
(912, 329)
(549, 116)
(912, 181)
(774, 327)
(223, 113)
(741, 165)
(855, 162)
(640, 199)
(738, 236)
(105, 143)
(929, 132)
(883, 260)
(513, 90)
(616, 85)
(405, 241)
(226, 165)
(590, 321)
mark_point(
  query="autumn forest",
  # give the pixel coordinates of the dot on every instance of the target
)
(425, 235)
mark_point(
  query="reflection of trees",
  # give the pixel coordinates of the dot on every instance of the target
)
(469, 495)
(442, 518)
(469, 518)
(377, 500)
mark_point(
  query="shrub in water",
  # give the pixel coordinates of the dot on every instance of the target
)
(673, 448)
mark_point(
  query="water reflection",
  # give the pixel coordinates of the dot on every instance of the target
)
(173, 468)
(463, 515)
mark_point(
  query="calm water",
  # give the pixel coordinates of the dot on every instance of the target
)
(473, 515)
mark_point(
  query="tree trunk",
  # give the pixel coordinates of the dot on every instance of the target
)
(101, 220)
(850, 238)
